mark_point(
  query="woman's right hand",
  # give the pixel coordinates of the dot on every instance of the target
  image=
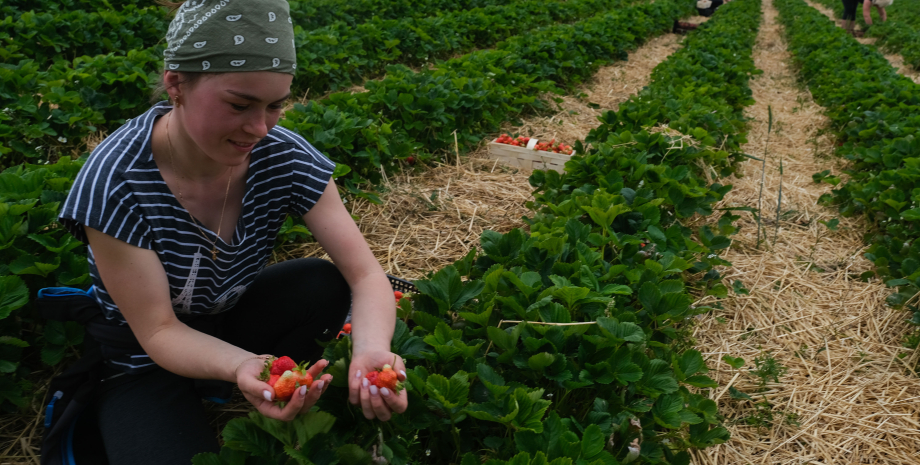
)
(261, 395)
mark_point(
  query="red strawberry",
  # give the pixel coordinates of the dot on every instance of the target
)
(280, 365)
(285, 386)
(398, 295)
(385, 378)
(372, 377)
(347, 328)
(273, 379)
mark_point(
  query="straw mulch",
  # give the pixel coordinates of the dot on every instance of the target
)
(847, 396)
(895, 59)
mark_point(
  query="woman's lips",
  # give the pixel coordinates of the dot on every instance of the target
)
(243, 145)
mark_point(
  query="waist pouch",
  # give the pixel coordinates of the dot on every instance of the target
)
(71, 438)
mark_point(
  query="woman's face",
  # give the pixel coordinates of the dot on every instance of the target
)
(226, 115)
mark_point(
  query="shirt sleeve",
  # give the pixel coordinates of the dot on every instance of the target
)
(312, 172)
(101, 199)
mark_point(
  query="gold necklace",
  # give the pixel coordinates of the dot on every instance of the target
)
(179, 188)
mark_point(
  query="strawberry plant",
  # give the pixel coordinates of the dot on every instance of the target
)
(35, 252)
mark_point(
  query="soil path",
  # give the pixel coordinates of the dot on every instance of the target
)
(840, 394)
(433, 217)
(895, 59)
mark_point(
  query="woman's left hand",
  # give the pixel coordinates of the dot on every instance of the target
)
(376, 403)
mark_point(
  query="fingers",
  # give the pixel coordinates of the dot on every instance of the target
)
(317, 368)
(372, 404)
(314, 392)
(397, 402)
(354, 386)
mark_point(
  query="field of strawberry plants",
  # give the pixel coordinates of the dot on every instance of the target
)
(877, 112)
(567, 343)
(564, 343)
(900, 34)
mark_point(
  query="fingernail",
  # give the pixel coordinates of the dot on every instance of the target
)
(385, 392)
(267, 395)
(303, 390)
(364, 383)
(319, 384)
(403, 372)
(373, 390)
(358, 374)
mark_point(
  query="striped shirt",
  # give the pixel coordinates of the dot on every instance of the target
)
(119, 191)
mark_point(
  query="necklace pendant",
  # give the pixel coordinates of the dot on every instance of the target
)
(214, 254)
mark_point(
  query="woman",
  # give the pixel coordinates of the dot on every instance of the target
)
(180, 208)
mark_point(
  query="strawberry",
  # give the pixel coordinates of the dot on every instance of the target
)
(372, 377)
(398, 295)
(273, 379)
(280, 365)
(347, 328)
(285, 386)
(385, 378)
(302, 376)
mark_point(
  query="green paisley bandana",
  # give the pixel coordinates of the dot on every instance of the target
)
(225, 36)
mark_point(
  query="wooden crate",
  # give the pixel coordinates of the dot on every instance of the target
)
(527, 158)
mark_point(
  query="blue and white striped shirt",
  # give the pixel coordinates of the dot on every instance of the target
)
(119, 191)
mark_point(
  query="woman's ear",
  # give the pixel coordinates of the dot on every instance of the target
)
(171, 80)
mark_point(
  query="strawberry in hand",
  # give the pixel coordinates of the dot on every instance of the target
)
(385, 378)
(290, 378)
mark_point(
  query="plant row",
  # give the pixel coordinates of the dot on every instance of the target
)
(316, 14)
(398, 115)
(342, 54)
(467, 97)
(877, 112)
(51, 102)
(566, 344)
(900, 34)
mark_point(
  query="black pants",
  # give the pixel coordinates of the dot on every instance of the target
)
(849, 9)
(158, 417)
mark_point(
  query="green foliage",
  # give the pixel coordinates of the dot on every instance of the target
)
(342, 53)
(407, 112)
(570, 342)
(35, 252)
(878, 113)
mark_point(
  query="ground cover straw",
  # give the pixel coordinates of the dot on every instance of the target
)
(846, 395)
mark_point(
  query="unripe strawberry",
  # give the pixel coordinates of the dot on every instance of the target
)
(285, 386)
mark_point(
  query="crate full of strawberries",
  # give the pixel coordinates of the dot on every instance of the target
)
(529, 153)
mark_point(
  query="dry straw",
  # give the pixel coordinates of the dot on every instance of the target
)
(854, 399)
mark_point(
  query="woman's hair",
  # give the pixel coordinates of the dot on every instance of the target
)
(189, 79)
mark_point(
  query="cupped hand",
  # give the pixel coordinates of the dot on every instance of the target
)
(376, 403)
(261, 395)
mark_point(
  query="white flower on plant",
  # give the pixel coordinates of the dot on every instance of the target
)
(62, 140)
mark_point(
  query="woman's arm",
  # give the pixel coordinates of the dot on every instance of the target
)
(136, 280)
(373, 306)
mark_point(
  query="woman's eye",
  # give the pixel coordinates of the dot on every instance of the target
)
(238, 107)
(276, 106)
